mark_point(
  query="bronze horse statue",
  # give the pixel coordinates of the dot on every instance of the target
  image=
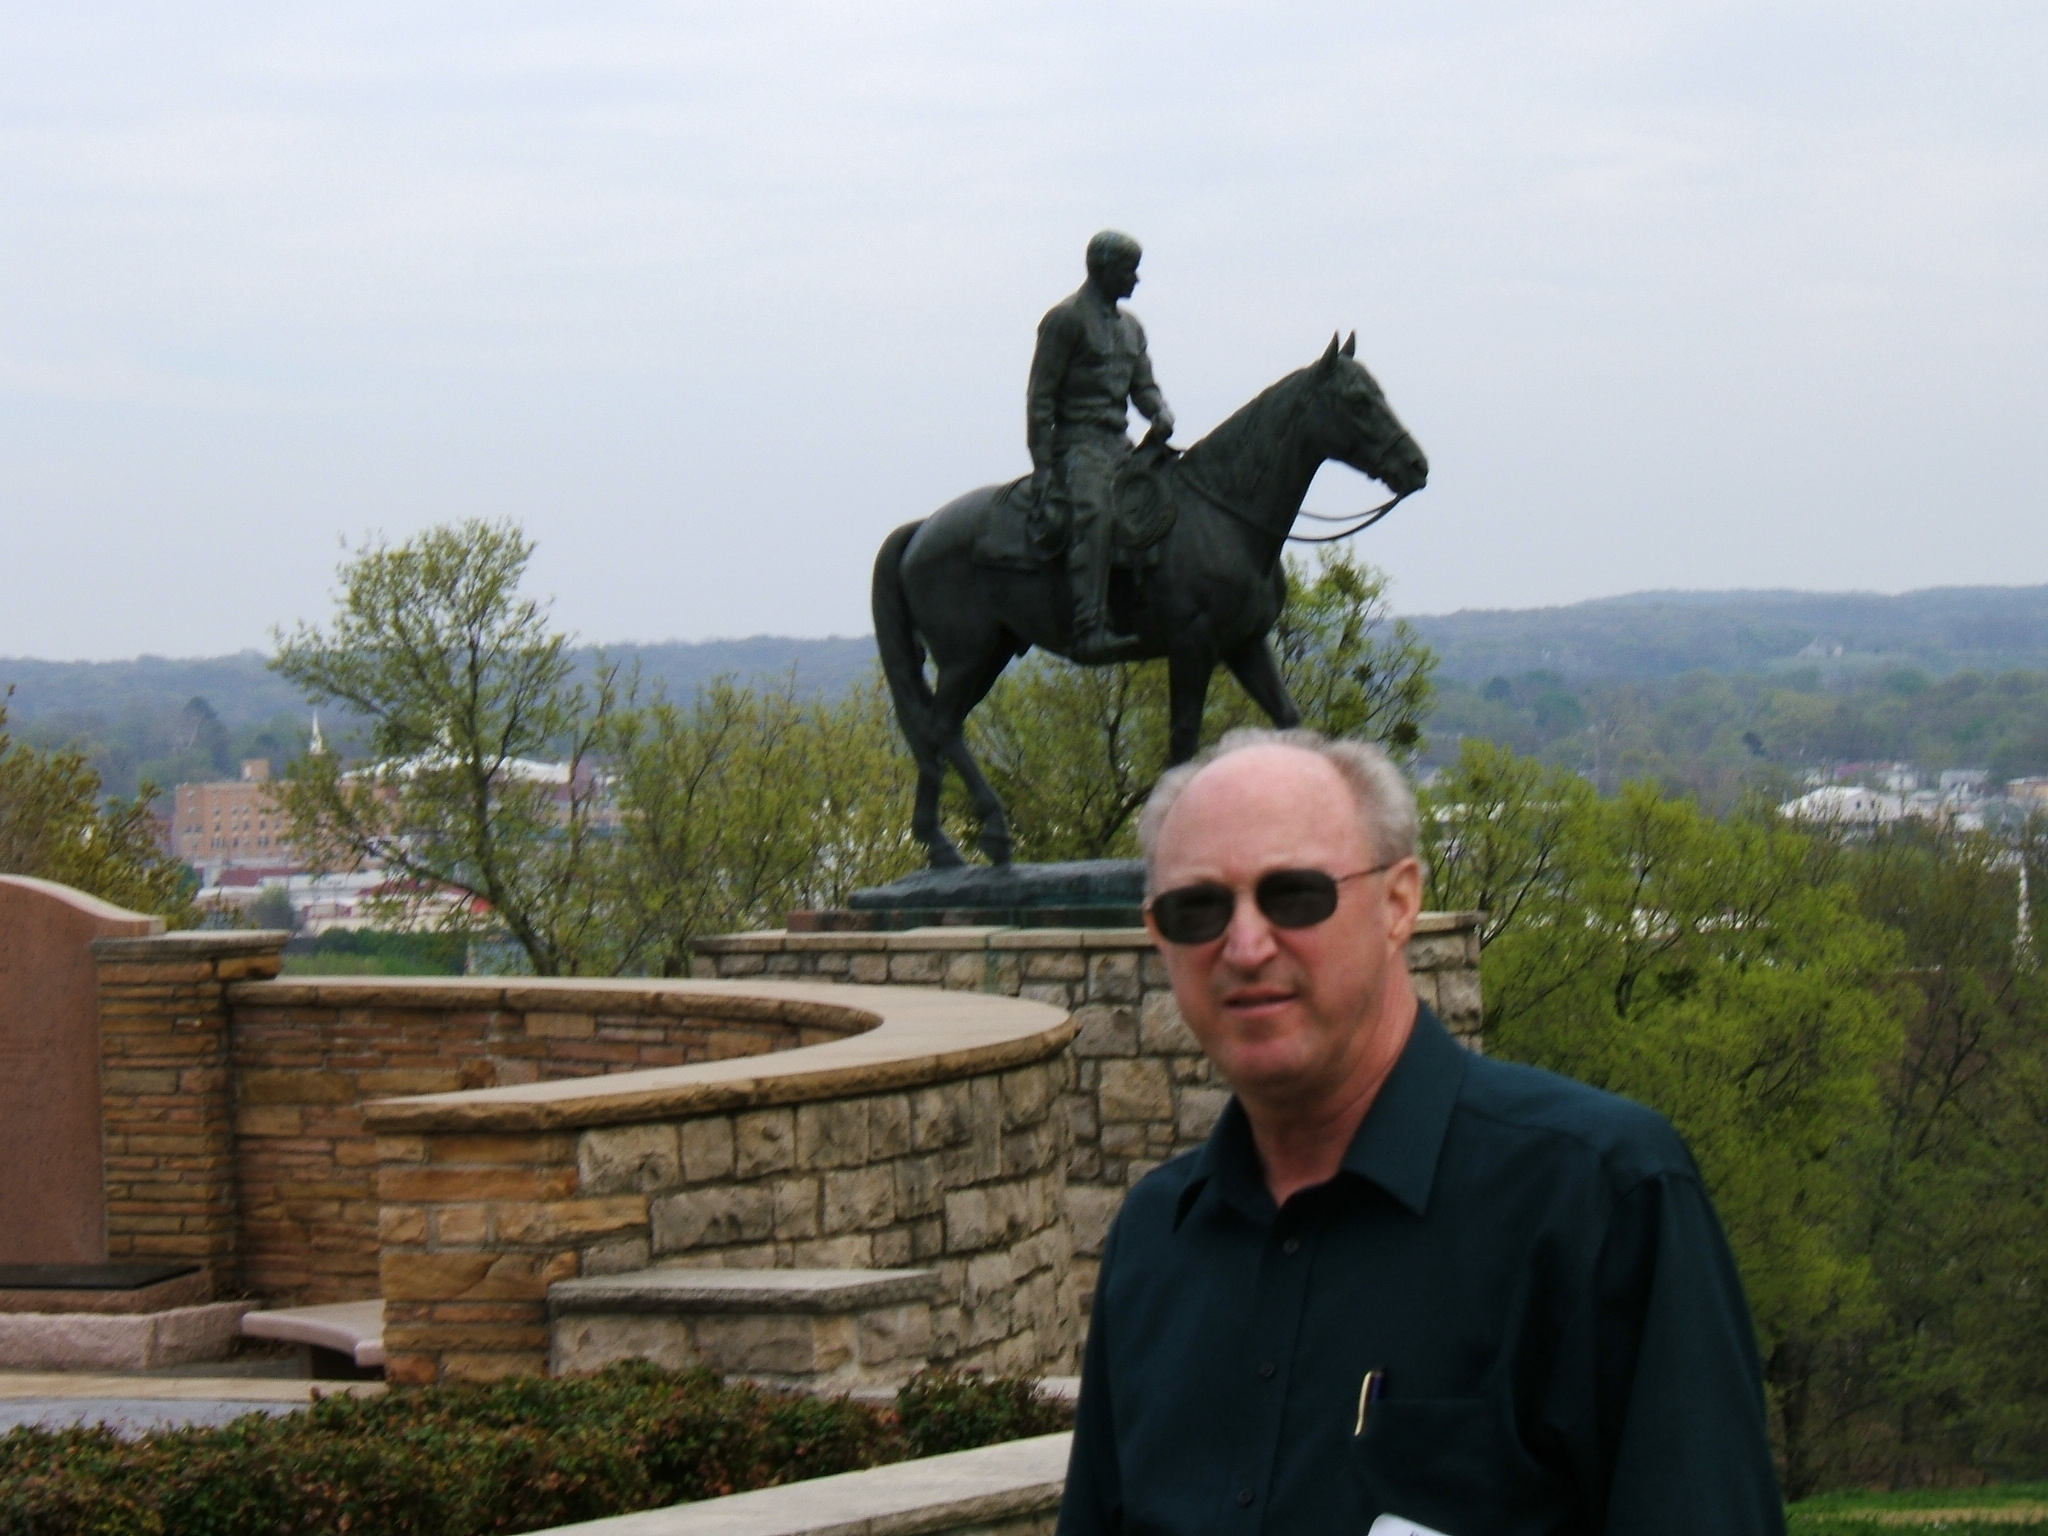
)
(1210, 591)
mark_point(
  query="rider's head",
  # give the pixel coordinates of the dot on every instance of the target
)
(1113, 263)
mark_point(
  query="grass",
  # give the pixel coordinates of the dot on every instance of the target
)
(2003, 1509)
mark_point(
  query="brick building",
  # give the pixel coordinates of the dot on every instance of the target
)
(231, 824)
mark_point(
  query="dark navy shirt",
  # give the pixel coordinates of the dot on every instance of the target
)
(1534, 1266)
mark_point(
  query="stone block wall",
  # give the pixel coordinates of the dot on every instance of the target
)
(1141, 1090)
(165, 1092)
(962, 1175)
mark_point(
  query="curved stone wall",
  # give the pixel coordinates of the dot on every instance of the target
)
(932, 1139)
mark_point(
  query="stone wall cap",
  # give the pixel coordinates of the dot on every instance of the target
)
(950, 936)
(743, 1290)
(193, 944)
(1448, 922)
(938, 1493)
(138, 924)
(609, 996)
(922, 1035)
(761, 941)
(780, 941)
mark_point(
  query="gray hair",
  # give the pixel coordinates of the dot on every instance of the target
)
(1386, 804)
(1108, 246)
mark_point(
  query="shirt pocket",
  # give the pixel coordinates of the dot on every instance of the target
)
(1455, 1464)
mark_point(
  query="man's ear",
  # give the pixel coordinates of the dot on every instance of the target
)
(1404, 899)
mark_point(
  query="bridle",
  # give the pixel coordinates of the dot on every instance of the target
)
(1359, 521)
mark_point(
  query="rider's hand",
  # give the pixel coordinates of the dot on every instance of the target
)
(1162, 427)
(1040, 479)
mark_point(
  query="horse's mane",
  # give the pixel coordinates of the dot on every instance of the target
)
(1246, 434)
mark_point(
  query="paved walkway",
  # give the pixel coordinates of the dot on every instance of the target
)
(134, 1404)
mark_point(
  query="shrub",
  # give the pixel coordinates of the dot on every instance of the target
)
(945, 1411)
(512, 1456)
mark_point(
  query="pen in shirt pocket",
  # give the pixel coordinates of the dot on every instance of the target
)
(1370, 1391)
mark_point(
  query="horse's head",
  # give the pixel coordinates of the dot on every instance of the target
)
(1355, 426)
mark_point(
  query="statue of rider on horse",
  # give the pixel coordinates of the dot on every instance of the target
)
(1104, 555)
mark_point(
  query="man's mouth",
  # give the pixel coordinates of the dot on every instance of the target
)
(1255, 999)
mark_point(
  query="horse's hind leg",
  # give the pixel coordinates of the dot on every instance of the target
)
(1253, 666)
(959, 690)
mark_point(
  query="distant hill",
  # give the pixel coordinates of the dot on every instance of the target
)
(1643, 635)
(1566, 670)
(1647, 635)
(681, 667)
(243, 691)
(170, 722)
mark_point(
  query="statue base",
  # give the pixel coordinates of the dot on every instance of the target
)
(1087, 893)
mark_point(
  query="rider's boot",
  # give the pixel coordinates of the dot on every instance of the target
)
(1094, 641)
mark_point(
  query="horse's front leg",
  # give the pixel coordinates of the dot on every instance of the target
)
(1253, 666)
(1187, 673)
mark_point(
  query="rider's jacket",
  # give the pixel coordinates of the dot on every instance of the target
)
(1090, 361)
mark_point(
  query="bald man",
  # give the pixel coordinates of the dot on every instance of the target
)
(1402, 1287)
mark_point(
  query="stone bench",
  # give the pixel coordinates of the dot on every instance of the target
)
(812, 1330)
(344, 1338)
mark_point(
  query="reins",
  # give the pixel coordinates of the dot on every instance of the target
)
(1360, 521)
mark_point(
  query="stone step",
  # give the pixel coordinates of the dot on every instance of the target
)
(811, 1330)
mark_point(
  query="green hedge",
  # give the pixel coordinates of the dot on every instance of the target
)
(516, 1456)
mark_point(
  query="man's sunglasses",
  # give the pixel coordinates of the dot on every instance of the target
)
(1289, 898)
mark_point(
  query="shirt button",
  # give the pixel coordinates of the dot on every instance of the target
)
(1266, 1369)
(1244, 1496)
(1292, 1245)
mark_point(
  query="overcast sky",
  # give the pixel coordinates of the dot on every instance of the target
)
(710, 297)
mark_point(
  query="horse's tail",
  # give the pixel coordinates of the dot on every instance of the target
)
(901, 651)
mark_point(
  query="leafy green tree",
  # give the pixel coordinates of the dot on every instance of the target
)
(55, 825)
(1718, 970)
(272, 908)
(744, 806)
(1951, 1378)
(467, 696)
(1353, 668)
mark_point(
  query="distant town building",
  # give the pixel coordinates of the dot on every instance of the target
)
(2032, 794)
(231, 824)
(1845, 805)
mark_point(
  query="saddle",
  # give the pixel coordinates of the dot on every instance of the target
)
(1029, 533)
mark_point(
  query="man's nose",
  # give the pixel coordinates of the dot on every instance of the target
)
(1248, 942)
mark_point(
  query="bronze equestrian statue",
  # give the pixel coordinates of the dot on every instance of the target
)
(1179, 553)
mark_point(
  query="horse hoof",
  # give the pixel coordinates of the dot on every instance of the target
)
(997, 848)
(947, 857)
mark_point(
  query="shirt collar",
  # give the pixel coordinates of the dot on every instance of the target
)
(1397, 1146)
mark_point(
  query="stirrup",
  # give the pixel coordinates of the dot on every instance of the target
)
(1101, 643)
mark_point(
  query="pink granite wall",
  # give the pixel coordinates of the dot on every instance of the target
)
(52, 1200)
